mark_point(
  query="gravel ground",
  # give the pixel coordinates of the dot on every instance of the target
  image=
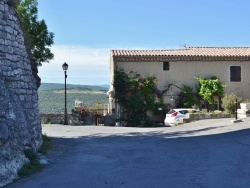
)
(206, 153)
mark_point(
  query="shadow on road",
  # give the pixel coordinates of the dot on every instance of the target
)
(147, 159)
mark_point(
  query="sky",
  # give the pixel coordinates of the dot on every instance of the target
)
(86, 30)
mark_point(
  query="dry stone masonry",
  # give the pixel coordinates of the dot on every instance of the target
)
(20, 126)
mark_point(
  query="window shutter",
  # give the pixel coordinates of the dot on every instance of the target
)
(166, 65)
(232, 73)
(238, 73)
(235, 73)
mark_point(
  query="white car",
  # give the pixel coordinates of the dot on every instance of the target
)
(176, 116)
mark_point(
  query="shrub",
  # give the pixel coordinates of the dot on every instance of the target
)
(210, 87)
(136, 95)
(48, 121)
(228, 102)
(186, 97)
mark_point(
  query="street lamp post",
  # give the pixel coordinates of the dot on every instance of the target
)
(65, 68)
(236, 107)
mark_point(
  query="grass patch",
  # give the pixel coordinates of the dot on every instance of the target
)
(33, 166)
(29, 169)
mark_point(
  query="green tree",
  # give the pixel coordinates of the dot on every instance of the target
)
(211, 87)
(37, 37)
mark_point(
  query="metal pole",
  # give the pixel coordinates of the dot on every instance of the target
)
(236, 107)
(65, 110)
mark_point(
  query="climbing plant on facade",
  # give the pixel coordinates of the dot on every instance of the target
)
(136, 94)
(210, 88)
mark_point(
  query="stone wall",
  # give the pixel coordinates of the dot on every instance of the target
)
(20, 126)
(195, 117)
(73, 119)
(77, 119)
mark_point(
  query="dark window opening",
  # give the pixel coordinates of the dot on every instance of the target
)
(235, 73)
(166, 65)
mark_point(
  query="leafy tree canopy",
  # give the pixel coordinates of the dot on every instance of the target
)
(211, 87)
(37, 36)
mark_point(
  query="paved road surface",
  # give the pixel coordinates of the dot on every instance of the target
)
(210, 153)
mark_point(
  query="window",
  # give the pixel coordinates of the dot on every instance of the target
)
(165, 65)
(183, 112)
(235, 73)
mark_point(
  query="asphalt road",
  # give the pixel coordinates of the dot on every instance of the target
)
(207, 153)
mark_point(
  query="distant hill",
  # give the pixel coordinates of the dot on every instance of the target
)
(57, 86)
(51, 96)
(105, 86)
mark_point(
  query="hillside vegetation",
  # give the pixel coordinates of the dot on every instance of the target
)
(51, 97)
(55, 86)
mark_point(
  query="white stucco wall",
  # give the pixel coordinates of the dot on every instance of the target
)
(111, 89)
(183, 72)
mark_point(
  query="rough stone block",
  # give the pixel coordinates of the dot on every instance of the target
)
(18, 97)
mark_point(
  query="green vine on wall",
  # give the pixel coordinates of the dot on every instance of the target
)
(210, 88)
(136, 94)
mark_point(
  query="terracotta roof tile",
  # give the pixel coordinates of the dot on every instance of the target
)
(189, 53)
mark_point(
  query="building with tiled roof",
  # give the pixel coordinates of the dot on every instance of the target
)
(189, 53)
(180, 66)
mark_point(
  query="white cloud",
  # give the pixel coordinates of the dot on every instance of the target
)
(87, 66)
(79, 55)
(91, 64)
